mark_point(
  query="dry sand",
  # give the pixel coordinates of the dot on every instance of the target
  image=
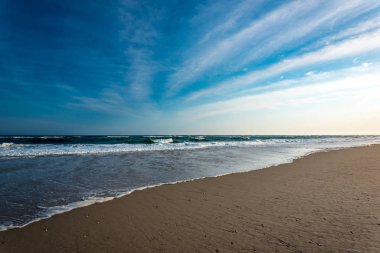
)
(325, 202)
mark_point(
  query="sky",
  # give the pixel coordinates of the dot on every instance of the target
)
(189, 67)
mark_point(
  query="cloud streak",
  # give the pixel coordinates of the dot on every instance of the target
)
(288, 23)
(349, 48)
(364, 84)
(140, 74)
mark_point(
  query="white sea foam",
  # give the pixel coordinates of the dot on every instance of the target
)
(6, 144)
(198, 138)
(155, 136)
(51, 211)
(163, 141)
(50, 137)
(18, 150)
(8, 149)
(17, 137)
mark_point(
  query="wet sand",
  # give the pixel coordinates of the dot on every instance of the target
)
(324, 202)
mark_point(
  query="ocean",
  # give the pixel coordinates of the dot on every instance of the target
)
(44, 175)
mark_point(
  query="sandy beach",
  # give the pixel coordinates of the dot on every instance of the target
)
(324, 202)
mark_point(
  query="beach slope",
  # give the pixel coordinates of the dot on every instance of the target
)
(324, 202)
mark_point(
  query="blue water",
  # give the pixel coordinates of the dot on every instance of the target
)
(44, 175)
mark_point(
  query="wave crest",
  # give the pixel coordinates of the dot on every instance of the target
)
(162, 141)
(6, 144)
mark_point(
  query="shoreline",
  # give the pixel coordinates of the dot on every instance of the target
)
(97, 200)
(55, 221)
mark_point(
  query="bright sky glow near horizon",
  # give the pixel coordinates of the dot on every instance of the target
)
(190, 67)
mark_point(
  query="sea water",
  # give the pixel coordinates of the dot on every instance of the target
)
(44, 175)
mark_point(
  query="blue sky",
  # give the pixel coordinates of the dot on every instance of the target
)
(190, 67)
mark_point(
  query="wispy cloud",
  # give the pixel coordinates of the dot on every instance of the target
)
(140, 35)
(367, 25)
(361, 84)
(292, 31)
(227, 22)
(349, 48)
(208, 57)
(139, 20)
(109, 101)
(286, 24)
(140, 74)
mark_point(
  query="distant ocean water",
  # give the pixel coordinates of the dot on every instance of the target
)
(44, 175)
